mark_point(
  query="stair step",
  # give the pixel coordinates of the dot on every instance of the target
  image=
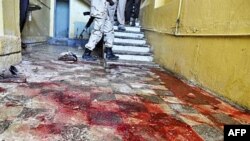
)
(131, 41)
(135, 58)
(129, 35)
(132, 63)
(130, 28)
(135, 32)
(135, 38)
(130, 44)
(131, 48)
(130, 38)
(117, 52)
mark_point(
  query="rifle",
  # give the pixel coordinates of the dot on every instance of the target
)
(90, 21)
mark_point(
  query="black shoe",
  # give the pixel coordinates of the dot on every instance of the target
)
(13, 70)
(87, 56)
(121, 27)
(110, 55)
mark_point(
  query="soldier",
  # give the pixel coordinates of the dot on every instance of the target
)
(102, 25)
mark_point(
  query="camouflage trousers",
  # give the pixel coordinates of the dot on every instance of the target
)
(102, 26)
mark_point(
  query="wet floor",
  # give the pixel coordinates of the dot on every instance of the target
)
(64, 101)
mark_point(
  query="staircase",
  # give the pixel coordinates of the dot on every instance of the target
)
(132, 48)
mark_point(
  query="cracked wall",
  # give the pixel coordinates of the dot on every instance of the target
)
(210, 47)
(10, 43)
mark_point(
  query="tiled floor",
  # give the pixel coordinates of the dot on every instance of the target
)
(86, 102)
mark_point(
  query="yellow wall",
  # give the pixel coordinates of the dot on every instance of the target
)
(210, 47)
(200, 17)
(1, 19)
(11, 17)
(10, 43)
(215, 17)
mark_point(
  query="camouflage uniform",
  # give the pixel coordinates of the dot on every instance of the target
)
(102, 24)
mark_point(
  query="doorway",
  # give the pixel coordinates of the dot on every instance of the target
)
(62, 19)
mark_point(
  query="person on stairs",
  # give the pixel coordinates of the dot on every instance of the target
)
(102, 26)
(119, 8)
(129, 11)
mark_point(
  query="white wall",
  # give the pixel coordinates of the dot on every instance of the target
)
(52, 18)
(77, 20)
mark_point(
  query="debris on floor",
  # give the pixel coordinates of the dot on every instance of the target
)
(67, 56)
(12, 76)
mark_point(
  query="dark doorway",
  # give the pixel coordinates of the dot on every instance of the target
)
(24, 5)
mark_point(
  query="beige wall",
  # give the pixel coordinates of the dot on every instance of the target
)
(10, 43)
(38, 28)
(210, 46)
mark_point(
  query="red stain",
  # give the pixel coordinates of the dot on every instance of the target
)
(131, 133)
(110, 106)
(53, 128)
(142, 116)
(182, 90)
(157, 127)
(71, 102)
(202, 101)
(180, 133)
(128, 107)
(2, 90)
(151, 123)
(11, 104)
(165, 120)
(63, 97)
(153, 108)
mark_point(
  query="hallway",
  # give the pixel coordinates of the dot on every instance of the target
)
(84, 101)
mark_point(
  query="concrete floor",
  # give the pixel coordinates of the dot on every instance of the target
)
(62, 101)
